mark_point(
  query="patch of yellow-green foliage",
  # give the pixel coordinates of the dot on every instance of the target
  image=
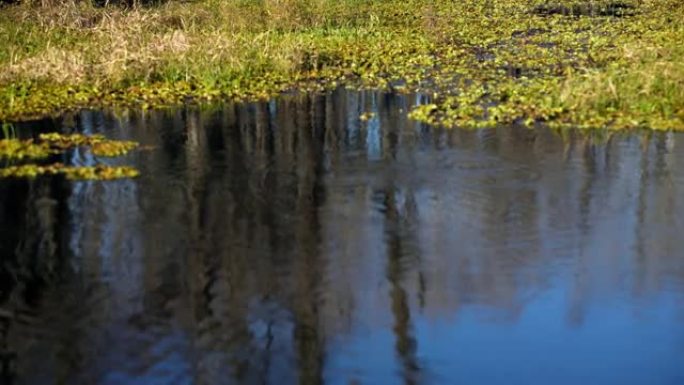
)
(99, 172)
(98, 144)
(593, 63)
(14, 150)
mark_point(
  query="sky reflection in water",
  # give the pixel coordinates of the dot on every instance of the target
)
(289, 242)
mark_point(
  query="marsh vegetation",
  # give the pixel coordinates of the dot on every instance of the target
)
(594, 64)
(18, 156)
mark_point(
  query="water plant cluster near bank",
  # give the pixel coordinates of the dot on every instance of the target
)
(595, 64)
(31, 158)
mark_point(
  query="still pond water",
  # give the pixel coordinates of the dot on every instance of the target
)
(290, 242)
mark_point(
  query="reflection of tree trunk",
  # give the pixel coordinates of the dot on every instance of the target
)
(12, 216)
(405, 343)
(580, 289)
(198, 275)
(11, 210)
(307, 265)
(641, 208)
(667, 198)
(585, 198)
(36, 254)
(6, 355)
(234, 238)
(33, 264)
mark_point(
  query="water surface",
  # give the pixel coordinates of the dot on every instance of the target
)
(289, 242)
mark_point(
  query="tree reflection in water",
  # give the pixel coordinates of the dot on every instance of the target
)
(290, 242)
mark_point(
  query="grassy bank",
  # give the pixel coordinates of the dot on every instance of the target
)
(567, 63)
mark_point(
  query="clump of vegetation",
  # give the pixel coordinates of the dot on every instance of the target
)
(98, 144)
(585, 8)
(15, 150)
(99, 172)
(53, 143)
(7, 130)
(23, 149)
(645, 88)
(598, 63)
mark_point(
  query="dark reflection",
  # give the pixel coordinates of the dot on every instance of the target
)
(289, 242)
(398, 230)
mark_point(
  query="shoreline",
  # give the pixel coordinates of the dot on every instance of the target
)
(484, 62)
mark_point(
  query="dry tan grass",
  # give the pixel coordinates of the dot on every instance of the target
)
(113, 44)
(53, 64)
(110, 43)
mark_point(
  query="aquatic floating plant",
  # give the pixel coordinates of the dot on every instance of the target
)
(366, 116)
(99, 172)
(15, 150)
(99, 145)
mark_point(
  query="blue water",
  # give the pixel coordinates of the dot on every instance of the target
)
(290, 242)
